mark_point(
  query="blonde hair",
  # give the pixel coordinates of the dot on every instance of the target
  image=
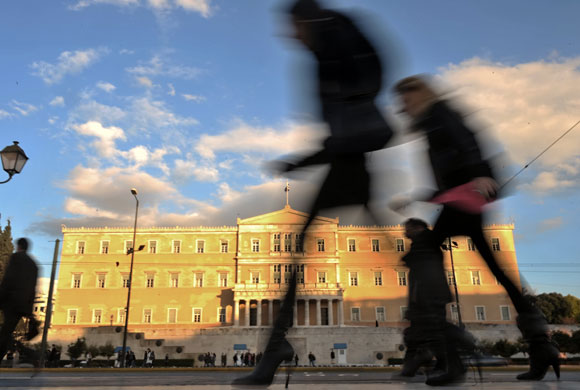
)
(420, 85)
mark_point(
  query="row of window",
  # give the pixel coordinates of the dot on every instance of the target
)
(480, 313)
(282, 242)
(152, 246)
(282, 273)
(174, 279)
(146, 318)
(196, 315)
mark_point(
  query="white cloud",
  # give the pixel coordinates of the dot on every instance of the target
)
(107, 87)
(106, 137)
(529, 105)
(171, 91)
(243, 138)
(126, 52)
(58, 101)
(148, 113)
(193, 98)
(52, 120)
(80, 207)
(202, 7)
(550, 224)
(206, 173)
(226, 194)
(141, 156)
(91, 110)
(4, 114)
(145, 82)
(157, 67)
(23, 109)
(183, 170)
(549, 182)
(68, 63)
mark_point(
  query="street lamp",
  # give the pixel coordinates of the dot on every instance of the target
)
(124, 350)
(13, 160)
(449, 246)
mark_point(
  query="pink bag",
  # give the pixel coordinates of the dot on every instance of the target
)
(464, 197)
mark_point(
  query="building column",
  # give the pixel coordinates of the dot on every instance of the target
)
(318, 315)
(330, 313)
(237, 312)
(340, 313)
(270, 312)
(247, 313)
(259, 314)
(307, 312)
(295, 317)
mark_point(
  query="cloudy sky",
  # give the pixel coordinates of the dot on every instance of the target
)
(186, 99)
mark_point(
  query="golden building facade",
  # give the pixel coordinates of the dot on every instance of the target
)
(212, 277)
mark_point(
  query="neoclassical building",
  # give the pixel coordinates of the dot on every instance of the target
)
(190, 279)
(237, 276)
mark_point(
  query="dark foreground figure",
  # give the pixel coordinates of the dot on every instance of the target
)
(430, 334)
(349, 80)
(17, 292)
(457, 165)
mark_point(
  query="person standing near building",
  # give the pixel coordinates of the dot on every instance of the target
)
(17, 291)
(465, 182)
(312, 359)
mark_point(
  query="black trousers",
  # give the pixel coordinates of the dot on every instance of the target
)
(11, 320)
(453, 222)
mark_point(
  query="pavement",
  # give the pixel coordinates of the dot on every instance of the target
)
(302, 378)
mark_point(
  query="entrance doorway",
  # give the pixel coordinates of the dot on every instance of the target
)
(253, 315)
(324, 315)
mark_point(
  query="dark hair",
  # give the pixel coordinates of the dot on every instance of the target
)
(415, 222)
(22, 243)
(304, 9)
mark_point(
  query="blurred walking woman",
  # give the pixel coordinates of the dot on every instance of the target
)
(465, 183)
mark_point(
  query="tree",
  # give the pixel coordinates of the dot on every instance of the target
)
(522, 346)
(486, 346)
(94, 350)
(554, 306)
(76, 349)
(575, 342)
(563, 340)
(6, 247)
(575, 305)
(505, 348)
(107, 350)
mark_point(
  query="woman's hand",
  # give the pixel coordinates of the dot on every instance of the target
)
(486, 186)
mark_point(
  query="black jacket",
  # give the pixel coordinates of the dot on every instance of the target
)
(349, 80)
(18, 287)
(453, 149)
(427, 280)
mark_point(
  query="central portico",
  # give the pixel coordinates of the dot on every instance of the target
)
(271, 248)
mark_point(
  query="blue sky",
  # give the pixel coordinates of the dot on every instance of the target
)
(185, 99)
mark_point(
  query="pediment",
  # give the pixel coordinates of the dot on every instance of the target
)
(286, 216)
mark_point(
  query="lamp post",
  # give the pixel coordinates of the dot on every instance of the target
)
(124, 350)
(449, 246)
(13, 160)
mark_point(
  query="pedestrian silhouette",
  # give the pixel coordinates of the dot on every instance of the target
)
(349, 78)
(17, 291)
(466, 182)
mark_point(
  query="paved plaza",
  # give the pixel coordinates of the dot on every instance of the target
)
(359, 379)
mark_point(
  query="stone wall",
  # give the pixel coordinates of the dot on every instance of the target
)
(363, 343)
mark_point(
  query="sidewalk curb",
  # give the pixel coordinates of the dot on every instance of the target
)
(573, 368)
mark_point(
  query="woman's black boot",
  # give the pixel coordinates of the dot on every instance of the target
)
(278, 349)
(543, 353)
